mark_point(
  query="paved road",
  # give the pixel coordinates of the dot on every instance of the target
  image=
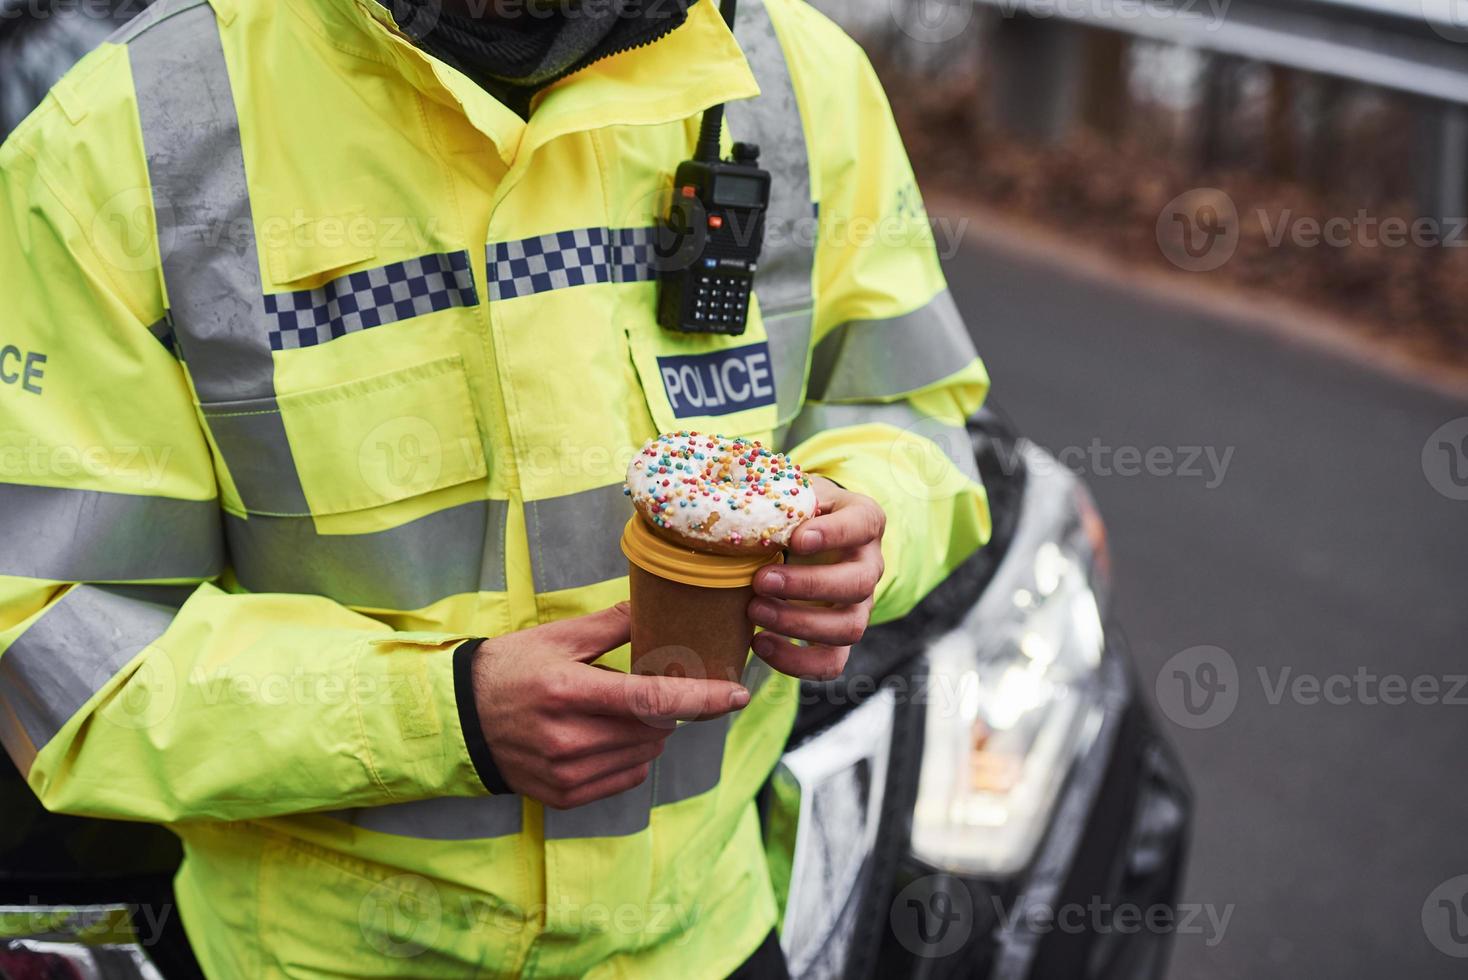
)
(1324, 550)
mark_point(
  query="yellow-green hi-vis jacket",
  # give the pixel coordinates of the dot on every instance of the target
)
(315, 361)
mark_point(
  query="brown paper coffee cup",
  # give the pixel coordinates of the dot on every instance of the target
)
(690, 609)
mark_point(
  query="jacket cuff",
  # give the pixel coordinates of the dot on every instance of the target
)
(479, 754)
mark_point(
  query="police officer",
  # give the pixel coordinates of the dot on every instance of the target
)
(372, 286)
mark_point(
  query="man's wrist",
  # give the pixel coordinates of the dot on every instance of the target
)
(479, 753)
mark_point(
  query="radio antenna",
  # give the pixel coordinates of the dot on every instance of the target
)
(713, 119)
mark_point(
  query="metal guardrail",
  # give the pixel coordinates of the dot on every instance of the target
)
(1418, 48)
(1412, 46)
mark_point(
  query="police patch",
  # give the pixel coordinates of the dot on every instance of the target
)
(719, 382)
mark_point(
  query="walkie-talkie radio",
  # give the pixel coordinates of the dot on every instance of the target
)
(710, 242)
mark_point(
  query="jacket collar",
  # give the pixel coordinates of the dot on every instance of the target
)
(698, 65)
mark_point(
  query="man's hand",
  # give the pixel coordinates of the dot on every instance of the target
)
(566, 733)
(848, 537)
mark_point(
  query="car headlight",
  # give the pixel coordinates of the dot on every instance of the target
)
(1014, 691)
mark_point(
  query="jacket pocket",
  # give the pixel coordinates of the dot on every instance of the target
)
(325, 913)
(706, 382)
(303, 253)
(351, 446)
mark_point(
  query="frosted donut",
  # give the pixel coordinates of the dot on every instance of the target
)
(711, 493)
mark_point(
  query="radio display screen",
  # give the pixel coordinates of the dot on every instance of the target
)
(739, 192)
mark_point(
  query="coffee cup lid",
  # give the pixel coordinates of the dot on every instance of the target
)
(665, 559)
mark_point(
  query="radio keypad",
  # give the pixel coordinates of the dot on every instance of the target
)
(720, 299)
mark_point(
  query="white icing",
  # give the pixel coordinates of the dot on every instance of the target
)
(672, 487)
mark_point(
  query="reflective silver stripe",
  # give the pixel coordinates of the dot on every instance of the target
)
(694, 767)
(867, 359)
(690, 765)
(616, 816)
(67, 535)
(757, 674)
(206, 234)
(252, 438)
(70, 653)
(445, 818)
(206, 237)
(151, 15)
(783, 282)
(789, 335)
(951, 439)
(574, 539)
(452, 552)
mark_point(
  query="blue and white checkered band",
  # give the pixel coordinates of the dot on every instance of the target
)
(370, 298)
(569, 258)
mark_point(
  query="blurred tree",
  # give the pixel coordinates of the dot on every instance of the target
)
(1105, 99)
(1279, 134)
(1036, 75)
(1321, 118)
(1217, 109)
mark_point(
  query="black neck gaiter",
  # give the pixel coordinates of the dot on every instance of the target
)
(516, 51)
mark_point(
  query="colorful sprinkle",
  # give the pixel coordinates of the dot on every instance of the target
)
(705, 475)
